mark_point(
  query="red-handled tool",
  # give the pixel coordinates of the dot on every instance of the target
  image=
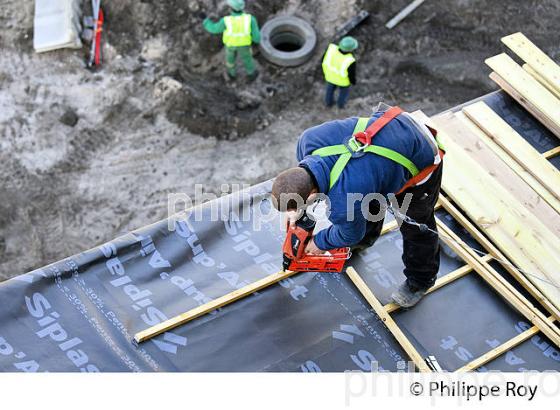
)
(98, 19)
(295, 258)
(98, 31)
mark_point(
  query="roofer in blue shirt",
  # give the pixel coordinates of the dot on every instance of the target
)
(389, 153)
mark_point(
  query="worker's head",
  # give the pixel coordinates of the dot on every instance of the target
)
(236, 5)
(348, 44)
(292, 189)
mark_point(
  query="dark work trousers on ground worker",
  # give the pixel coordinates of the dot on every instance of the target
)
(420, 249)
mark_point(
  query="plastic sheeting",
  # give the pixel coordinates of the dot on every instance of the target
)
(57, 25)
(80, 314)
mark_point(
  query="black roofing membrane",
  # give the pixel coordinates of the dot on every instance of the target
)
(81, 313)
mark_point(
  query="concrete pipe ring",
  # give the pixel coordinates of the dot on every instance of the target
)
(287, 41)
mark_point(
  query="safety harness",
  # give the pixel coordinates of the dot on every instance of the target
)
(361, 143)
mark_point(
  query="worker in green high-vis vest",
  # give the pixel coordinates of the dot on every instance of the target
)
(339, 68)
(239, 30)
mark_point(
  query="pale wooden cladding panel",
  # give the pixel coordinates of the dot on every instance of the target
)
(526, 90)
(541, 80)
(536, 59)
(490, 193)
(517, 153)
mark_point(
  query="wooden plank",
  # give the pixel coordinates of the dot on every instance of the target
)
(212, 305)
(403, 13)
(517, 149)
(500, 285)
(526, 103)
(495, 252)
(541, 80)
(519, 222)
(387, 320)
(525, 240)
(491, 355)
(475, 143)
(543, 101)
(441, 282)
(535, 58)
(512, 175)
(551, 153)
(227, 299)
(389, 226)
(501, 349)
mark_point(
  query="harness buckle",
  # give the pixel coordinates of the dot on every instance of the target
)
(357, 149)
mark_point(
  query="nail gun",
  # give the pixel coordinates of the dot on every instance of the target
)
(297, 239)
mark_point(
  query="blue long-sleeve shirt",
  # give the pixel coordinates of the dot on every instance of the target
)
(367, 174)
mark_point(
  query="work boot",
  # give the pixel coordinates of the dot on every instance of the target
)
(253, 76)
(229, 76)
(408, 295)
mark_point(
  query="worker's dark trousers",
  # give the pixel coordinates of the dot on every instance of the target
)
(420, 249)
(343, 94)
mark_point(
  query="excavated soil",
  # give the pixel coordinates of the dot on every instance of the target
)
(86, 156)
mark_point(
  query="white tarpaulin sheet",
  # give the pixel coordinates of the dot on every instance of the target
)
(56, 25)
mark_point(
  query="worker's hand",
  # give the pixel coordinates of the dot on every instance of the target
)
(292, 217)
(312, 249)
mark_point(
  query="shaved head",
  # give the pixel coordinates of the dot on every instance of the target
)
(291, 189)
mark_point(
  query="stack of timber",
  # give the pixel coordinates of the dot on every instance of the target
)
(537, 87)
(507, 188)
(537, 64)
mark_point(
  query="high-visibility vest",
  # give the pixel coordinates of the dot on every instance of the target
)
(335, 66)
(361, 143)
(238, 31)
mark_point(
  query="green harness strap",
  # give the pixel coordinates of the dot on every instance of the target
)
(345, 154)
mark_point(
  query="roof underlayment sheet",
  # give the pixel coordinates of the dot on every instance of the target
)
(81, 313)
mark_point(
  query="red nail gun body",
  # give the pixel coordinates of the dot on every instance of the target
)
(295, 258)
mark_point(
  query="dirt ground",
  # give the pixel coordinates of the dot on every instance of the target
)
(85, 157)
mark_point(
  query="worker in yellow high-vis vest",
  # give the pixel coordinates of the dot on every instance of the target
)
(339, 68)
(239, 30)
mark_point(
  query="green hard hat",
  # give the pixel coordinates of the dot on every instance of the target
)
(237, 5)
(348, 44)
